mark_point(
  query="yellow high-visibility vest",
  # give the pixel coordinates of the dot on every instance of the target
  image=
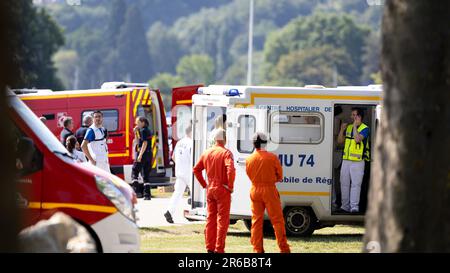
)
(356, 151)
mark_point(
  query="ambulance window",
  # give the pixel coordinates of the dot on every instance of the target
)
(295, 127)
(247, 127)
(183, 114)
(110, 119)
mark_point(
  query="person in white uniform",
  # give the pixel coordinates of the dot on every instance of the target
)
(183, 170)
(94, 144)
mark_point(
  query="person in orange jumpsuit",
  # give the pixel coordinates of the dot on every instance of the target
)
(264, 170)
(219, 165)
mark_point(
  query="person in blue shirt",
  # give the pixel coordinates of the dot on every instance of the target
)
(94, 144)
(143, 158)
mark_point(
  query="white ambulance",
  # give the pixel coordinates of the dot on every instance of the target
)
(302, 124)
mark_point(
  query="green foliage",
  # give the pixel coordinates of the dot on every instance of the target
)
(376, 77)
(165, 51)
(339, 34)
(165, 82)
(133, 61)
(169, 30)
(67, 63)
(34, 37)
(321, 65)
(196, 68)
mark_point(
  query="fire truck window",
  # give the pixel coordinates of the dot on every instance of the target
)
(110, 119)
(247, 127)
(28, 157)
(294, 127)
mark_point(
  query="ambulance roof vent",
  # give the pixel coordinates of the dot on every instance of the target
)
(118, 85)
(316, 86)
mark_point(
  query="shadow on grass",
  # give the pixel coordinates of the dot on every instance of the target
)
(147, 229)
(313, 238)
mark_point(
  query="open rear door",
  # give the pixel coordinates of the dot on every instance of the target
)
(242, 123)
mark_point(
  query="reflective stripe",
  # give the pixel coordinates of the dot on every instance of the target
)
(304, 193)
(84, 207)
(137, 102)
(184, 101)
(154, 151)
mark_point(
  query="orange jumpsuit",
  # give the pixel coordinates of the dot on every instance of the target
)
(264, 170)
(218, 162)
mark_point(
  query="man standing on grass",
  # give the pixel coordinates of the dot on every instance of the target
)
(219, 166)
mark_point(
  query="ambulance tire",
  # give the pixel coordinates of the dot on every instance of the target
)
(299, 221)
(267, 227)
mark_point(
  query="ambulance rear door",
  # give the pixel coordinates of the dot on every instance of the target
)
(242, 123)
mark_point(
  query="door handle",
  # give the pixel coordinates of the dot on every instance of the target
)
(115, 135)
(240, 161)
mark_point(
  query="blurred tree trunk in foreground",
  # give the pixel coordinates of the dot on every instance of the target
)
(410, 194)
(8, 75)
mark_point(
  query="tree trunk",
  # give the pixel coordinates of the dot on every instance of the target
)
(8, 75)
(410, 194)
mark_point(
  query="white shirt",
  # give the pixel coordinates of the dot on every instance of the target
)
(79, 156)
(97, 143)
(183, 157)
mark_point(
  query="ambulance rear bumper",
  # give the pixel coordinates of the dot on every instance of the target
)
(194, 215)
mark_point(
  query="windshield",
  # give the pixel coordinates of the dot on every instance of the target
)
(36, 126)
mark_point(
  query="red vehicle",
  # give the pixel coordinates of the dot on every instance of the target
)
(120, 103)
(50, 181)
(181, 110)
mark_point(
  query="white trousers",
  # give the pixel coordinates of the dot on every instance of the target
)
(180, 186)
(104, 165)
(352, 173)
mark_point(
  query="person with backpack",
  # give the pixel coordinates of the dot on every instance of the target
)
(94, 144)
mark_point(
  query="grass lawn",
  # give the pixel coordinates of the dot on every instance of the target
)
(190, 239)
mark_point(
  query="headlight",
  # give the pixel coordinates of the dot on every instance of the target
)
(119, 200)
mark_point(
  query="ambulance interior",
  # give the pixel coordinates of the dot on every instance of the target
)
(203, 140)
(342, 114)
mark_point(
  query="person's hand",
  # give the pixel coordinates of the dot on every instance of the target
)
(358, 120)
(139, 159)
(93, 162)
(226, 187)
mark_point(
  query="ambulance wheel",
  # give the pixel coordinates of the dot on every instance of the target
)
(299, 221)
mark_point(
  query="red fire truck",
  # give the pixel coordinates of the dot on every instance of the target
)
(120, 104)
(50, 181)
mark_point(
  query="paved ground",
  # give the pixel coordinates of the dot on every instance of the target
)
(151, 213)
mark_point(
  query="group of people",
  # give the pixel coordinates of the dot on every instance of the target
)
(89, 143)
(263, 169)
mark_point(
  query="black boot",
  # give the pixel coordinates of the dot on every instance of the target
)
(136, 187)
(147, 191)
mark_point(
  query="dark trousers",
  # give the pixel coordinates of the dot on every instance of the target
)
(144, 167)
